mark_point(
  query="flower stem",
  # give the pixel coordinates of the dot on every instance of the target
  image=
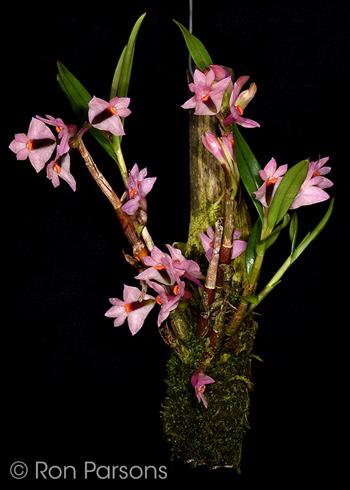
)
(210, 281)
(138, 246)
(98, 177)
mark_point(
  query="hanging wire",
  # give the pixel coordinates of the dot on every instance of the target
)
(190, 28)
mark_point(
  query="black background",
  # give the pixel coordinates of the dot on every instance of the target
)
(76, 389)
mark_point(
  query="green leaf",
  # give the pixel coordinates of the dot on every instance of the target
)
(76, 93)
(198, 52)
(248, 168)
(128, 57)
(79, 99)
(286, 192)
(293, 231)
(314, 234)
(116, 77)
(122, 74)
(250, 252)
(263, 245)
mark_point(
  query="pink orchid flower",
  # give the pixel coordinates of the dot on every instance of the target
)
(131, 308)
(38, 144)
(185, 268)
(311, 191)
(159, 268)
(208, 93)
(106, 115)
(272, 177)
(207, 240)
(238, 102)
(65, 133)
(198, 381)
(169, 302)
(138, 188)
(58, 169)
(223, 150)
(213, 145)
(167, 269)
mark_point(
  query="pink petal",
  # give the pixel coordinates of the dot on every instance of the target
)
(112, 124)
(146, 185)
(281, 170)
(18, 146)
(238, 247)
(38, 130)
(310, 195)
(38, 158)
(96, 106)
(240, 82)
(270, 168)
(190, 103)
(222, 85)
(247, 123)
(137, 318)
(199, 78)
(130, 294)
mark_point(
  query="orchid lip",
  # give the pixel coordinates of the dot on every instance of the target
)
(135, 305)
(105, 114)
(40, 143)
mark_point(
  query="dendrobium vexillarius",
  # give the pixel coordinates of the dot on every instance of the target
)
(171, 275)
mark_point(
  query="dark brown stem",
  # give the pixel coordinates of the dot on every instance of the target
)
(138, 246)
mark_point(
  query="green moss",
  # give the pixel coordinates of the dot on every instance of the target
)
(212, 436)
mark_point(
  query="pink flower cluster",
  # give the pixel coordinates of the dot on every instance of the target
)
(310, 192)
(40, 142)
(138, 188)
(165, 274)
(209, 89)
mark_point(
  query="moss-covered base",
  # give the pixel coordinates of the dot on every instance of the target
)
(212, 436)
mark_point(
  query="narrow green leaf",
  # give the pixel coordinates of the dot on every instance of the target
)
(250, 252)
(196, 48)
(293, 231)
(286, 192)
(125, 73)
(248, 168)
(76, 93)
(116, 77)
(314, 234)
(263, 245)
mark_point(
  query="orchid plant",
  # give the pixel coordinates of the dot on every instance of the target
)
(184, 290)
